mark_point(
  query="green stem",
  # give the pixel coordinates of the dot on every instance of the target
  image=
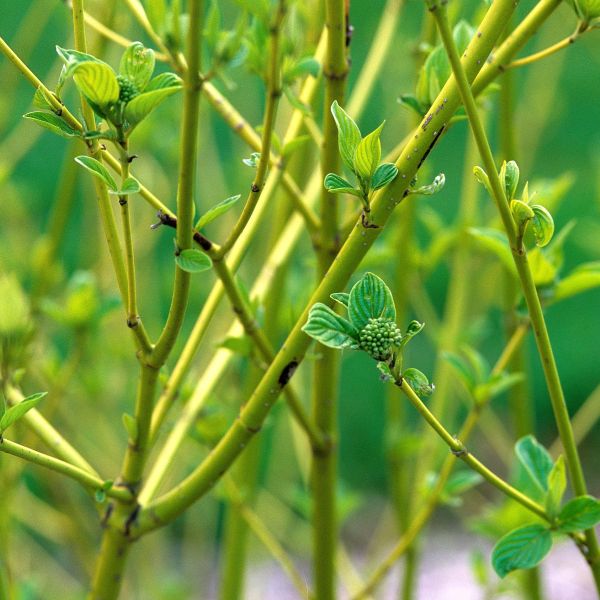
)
(116, 540)
(106, 212)
(167, 507)
(565, 43)
(427, 506)
(459, 450)
(583, 421)
(186, 179)
(538, 322)
(456, 309)
(288, 237)
(326, 369)
(59, 466)
(134, 321)
(270, 542)
(280, 255)
(273, 95)
(264, 347)
(49, 435)
(235, 537)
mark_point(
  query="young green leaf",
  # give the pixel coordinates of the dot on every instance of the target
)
(368, 154)
(348, 134)
(143, 104)
(522, 548)
(130, 186)
(411, 102)
(252, 161)
(14, 413)
(303, 66)
(295, 101)
(53, 123)
(418, 382)
(100, 496)
(521, 212)
(338, 185)
(193, 261)
(496, 242)
(164, 81)
(41, 100)
(97, 82)
(239, 345)
(327, 327)
(386, 374)
(73, 58)
(97, 169)
(433, 188)
(579, 514)
(137, 64)
(496, 384)
(557, 483)
(462, 368)
(587, 10)
(217, 210)
(413, 329)
(341, 297)
(536, 460)
(584, 277)
(290, 147)
(509, 174)
(543, 225)
(384, 174)
(370, 298)
(461, 482)
(483, 178)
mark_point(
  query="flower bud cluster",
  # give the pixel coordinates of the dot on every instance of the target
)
(127, 90)
(378, 338)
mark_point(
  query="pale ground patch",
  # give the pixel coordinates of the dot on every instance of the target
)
(446, 575)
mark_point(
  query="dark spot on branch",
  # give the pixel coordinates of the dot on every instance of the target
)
(131, 519)
(106, 516)
(287, 372)
(433, 142)
(203, 242)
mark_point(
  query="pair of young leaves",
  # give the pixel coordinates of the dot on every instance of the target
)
(524, 213)
(361, 156)
(122, 100)
(369, 300)
(525, 547)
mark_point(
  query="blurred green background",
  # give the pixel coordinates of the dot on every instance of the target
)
(557, 133)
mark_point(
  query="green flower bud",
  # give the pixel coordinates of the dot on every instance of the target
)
(127, 89)
(378, 338)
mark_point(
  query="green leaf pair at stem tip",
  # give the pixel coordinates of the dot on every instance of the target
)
(122, 100)
(130, 186)
(525, 547)
(371, 328)
(361, 156)
(523, 212)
